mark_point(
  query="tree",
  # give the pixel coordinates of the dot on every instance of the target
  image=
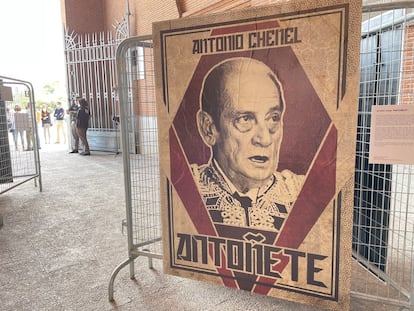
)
(50, 88)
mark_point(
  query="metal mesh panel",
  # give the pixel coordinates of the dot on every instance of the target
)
(19, 156)
(383, 198)
(140, 135)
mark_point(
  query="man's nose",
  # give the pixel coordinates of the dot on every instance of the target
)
(262, 135)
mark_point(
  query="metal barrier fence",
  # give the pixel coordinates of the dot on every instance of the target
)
(383, 203)
(139, 140)
(19, 154)
(383, 231)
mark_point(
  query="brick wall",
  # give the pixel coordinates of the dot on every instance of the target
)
(88, 16)
(407, 76)
(145, 12)
(144, 89)
(84, 16)
(114, 12)
(193, 8)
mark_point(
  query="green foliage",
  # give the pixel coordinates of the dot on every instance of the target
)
(50, 88)
(48, 96)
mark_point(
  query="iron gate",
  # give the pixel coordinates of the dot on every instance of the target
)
(383, 200)
(91, 74)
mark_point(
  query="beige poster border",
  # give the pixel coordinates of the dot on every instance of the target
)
(342, 112)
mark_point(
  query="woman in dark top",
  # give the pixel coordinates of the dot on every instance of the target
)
(82, 124)
(46, 124)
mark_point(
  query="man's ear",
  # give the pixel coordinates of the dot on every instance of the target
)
(206, 127)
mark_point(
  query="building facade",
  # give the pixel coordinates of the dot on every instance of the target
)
(94, 29)
(100, 15)
(387, 78)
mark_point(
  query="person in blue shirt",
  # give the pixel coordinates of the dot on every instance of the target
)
(60, 122)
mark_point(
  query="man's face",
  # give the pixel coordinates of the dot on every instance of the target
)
(250, 131)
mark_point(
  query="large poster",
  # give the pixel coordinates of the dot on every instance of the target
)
(257, 119)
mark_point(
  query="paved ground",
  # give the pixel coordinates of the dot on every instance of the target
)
(58, 248)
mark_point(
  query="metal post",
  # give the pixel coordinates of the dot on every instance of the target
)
(128, 14)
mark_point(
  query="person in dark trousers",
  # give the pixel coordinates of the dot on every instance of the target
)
(82, 124)
(46, 123)
(73, 112)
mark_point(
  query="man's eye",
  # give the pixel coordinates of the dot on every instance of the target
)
(273, 121)
(244, 123)
(275, 117)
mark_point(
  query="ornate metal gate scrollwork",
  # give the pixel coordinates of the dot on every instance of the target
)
(91, 74)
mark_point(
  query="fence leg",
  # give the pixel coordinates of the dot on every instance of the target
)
(131, 270)
(114, 274)
(410, 299)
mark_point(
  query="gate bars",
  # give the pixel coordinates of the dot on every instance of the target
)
(383, 231)
(17, 164)
(90, 67)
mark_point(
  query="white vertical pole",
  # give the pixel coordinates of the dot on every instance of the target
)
(128, 13)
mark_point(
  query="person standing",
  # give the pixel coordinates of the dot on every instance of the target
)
(60, 123)
(21, 121)
(73, 112)
(38, 119)
(82, 125)
(30, 129)
(11, 125)
(46, 124)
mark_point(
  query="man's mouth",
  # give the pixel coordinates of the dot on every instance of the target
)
(259, 159)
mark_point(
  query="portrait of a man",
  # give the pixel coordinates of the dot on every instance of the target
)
(241, 119)
(256, 142)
